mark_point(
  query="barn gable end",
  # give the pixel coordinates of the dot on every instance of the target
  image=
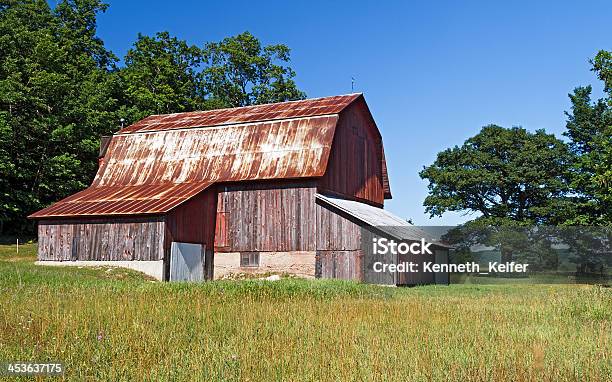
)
(356, 168)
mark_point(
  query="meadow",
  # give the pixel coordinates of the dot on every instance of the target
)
(114, 325)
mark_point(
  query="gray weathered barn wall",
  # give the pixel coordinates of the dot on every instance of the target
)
(276, 219)
(119, 239)
(339, 253)
(266, 217)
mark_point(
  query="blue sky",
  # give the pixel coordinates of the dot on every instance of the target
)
(432, 72)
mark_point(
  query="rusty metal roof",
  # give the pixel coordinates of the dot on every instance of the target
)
(144, 173)
(156, 164)
(269, 112)
(294, 148)
(123, 200)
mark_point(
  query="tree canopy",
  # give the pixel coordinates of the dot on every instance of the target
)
(61, 89)
(240, 72)
(502, 174)
(160, 76)
(589, 128)
(56, 97)
(512, 176)
(516, 182)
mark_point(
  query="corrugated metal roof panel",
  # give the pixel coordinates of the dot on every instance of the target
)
(257, 113)
(123, 200)
(294, 148)
(374, 216)
(153, 172)
(379, 218)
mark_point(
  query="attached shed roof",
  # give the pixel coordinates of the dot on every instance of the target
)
(161, 161)
(382, 219)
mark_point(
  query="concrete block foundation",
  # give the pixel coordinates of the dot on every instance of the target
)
(151, 268)
(299, 263)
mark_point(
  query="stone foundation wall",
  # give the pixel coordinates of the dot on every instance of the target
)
(299, 263)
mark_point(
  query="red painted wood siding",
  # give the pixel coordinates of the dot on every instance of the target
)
(355, 166)
(194, 222)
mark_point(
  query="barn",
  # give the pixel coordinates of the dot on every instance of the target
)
(278, 188)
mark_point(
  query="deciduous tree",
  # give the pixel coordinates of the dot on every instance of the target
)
(161, 76)
(240, 72)
(503, 175)
(56, 97)
(589, 127)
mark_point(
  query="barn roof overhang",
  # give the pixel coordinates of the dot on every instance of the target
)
(122, 200)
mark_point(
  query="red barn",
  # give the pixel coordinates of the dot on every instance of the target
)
(283, 188)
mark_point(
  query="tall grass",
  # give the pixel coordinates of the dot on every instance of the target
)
(115, 325)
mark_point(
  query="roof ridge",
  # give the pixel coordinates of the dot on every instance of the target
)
(253, 113)
(225, 124)
(258, 105)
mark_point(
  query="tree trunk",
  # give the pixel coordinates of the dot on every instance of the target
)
(506, 254)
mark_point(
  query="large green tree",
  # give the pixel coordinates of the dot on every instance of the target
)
(57, 95)
(589, 127)
(510, 178)
(503, 175)
(161, 76)
(164, 74)
(61, 89)
(240, 71)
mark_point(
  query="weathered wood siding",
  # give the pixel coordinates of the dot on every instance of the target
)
(97, 239)
(266, 217)
(339, 253)
(355, 165)
(194, 222)
(416, 278)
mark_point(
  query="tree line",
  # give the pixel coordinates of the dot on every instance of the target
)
(61, 89)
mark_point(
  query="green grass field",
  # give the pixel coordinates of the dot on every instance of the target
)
(116, 325)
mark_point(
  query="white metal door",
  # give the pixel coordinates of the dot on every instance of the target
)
(186, 262)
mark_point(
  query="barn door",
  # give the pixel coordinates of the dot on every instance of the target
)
(186, 262)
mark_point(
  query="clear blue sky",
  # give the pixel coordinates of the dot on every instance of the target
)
(432, 72)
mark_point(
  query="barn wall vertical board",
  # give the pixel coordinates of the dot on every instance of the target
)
(266, 217)
(122, 238)
(339, 253)
(356, 162)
